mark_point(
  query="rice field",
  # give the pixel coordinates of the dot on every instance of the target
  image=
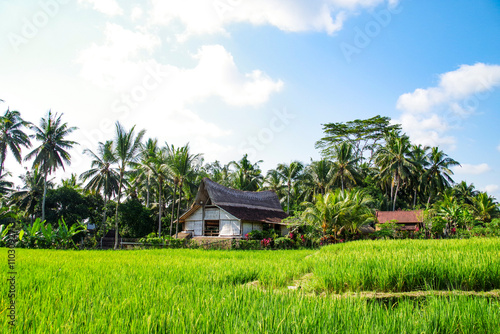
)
(199, 291)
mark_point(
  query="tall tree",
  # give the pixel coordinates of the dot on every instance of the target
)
(319, 176)
(102, 176)
(181, 164)
(438, 174)
(12, 136)
(127, 149)
(52, 152)
(345, 167)
(395, 162)
(28, 197)
(158, 165)
(418, 154)
(364, 134)
(148, 155)
(290, 173)
(247, 176)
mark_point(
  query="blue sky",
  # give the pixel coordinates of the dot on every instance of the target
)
(262, 76)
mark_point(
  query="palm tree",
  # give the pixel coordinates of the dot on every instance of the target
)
(52, 152)
(319, 176)
(29, 195)
(395, 162)
(290, 173)
(12, 136)
(274, 182)
(158, 165)
(181, 165)
(148, 154)
(438, 174)
(126, 150)
(247, 176)
(418, 154)
(465, 192)
(484, 207)
(103, 177)
(345, 164)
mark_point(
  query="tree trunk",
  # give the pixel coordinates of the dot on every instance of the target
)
(104, 213)
(44, 195)
(178, 211)
(147, 192)
(159, 208)
(288, 200)
(395, 196)
(173, 211)
(118, 204)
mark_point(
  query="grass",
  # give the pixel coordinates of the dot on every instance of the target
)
(409, 265)
(196, 291)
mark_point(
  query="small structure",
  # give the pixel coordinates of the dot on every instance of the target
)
(108, 240)
(222, 212)
(406, 220)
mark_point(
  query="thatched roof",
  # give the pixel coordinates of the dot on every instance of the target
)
(258, 206)
(400, 217)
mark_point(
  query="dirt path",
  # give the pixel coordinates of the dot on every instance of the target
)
(302, 285)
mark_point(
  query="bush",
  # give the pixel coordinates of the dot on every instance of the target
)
(284, 243)
(248, 244)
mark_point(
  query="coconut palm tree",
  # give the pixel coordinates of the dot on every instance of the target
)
(102, 176)
(418, 154)
(12, 136)
(465, 192)
(438, 174)
(158, 165)
(28, 197)
(345, 165)
(395, 162)
(319, 176)
(52, 152)
(148, 154)
(181, 164)
(126, 150)
(290, 173)
(247, 176)
(274, 182)
(484, 207)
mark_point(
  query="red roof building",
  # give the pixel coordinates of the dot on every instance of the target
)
(406, 220)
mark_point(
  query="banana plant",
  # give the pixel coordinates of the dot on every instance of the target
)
(31, 236)
(65, 235)
(4, 234)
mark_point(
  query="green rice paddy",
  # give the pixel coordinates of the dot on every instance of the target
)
(199, 291)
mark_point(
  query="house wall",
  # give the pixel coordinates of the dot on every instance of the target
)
(228, 225)
(249, 227)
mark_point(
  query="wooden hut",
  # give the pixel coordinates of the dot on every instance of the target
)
(219, 211)
(405, 220)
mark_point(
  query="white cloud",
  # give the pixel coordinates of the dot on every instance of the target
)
(209, 17)
(491, 188)
(472, 169)
(123, 63)
(427, 114)
(154, 95)
(109, 64)
(136, 13)
(108, 7)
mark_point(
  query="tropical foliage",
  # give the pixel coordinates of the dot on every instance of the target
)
(366, 165)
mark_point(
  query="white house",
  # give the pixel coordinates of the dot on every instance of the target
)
(219, 211)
